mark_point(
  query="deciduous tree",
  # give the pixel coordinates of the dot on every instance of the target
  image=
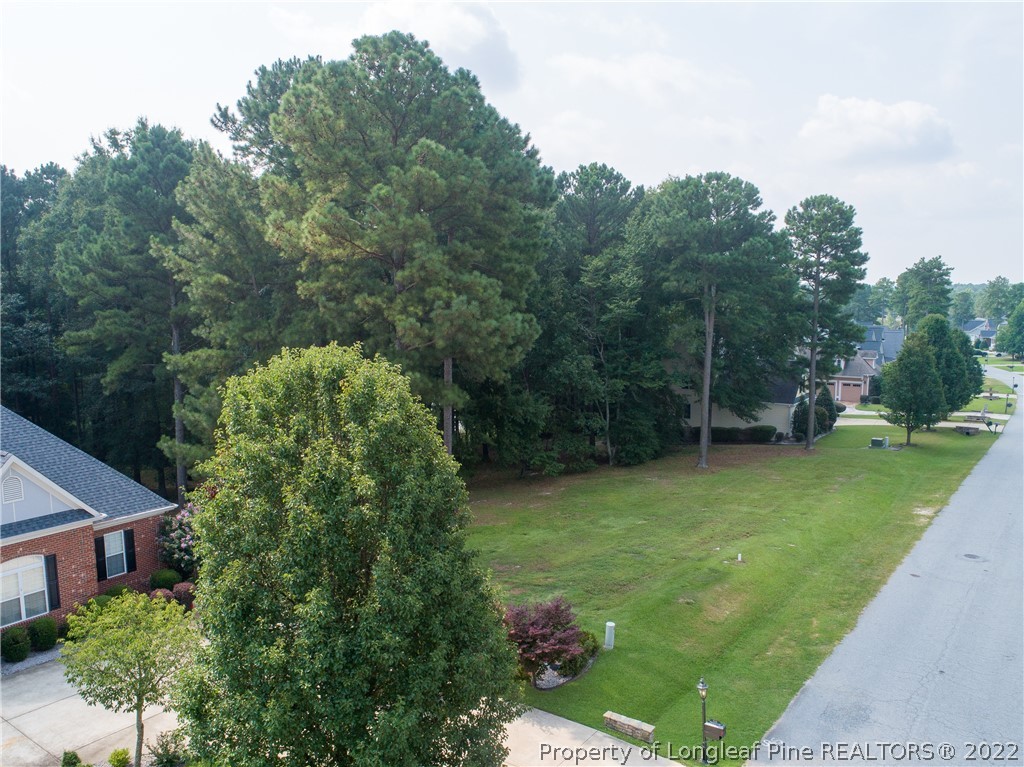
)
(1010, 337)
(957, 386)
(347, 622)
(125, 656)
(912, 387)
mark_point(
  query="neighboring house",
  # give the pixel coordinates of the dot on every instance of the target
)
(880, 346)
(982, 329)
(778, 412)
(71, 526)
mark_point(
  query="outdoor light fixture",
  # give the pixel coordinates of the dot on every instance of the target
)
(702, 688)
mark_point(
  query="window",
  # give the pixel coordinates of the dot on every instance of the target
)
(113, 544)
(115, 554)
(23, 593)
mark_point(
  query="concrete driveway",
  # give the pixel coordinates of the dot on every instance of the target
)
(934, 670)
(42, 716)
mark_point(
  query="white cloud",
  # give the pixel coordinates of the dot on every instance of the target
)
(862, 130)
(651, 76)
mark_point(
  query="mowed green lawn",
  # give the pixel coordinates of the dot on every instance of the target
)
(654, 548)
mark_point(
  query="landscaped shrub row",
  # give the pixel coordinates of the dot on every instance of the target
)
(759, 434)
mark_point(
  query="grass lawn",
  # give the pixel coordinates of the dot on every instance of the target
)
(996, 386)
(654, 548)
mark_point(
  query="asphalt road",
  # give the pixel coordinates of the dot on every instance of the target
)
(933, 673)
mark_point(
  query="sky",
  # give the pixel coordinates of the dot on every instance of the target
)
(913, 113)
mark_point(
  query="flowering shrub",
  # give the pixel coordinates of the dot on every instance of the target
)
(545, 633)
(176, 540)
(185, 593)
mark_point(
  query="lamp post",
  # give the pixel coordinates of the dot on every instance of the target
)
(702, 688)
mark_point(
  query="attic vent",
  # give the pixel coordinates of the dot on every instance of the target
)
(14, 491)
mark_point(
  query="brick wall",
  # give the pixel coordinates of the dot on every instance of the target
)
(76, 560)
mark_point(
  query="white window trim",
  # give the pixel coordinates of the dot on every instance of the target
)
(19, 566)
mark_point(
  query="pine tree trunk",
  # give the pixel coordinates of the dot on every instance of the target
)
(812, 375)
(181, 474)
(448, 405)
(705, 398)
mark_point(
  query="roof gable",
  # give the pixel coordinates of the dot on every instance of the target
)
(97, 486)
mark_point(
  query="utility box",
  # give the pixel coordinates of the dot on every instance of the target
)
(880, 442)
(714, 730)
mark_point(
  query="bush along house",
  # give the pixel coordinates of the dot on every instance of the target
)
(72, 527)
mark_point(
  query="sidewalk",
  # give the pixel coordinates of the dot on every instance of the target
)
(42, 716)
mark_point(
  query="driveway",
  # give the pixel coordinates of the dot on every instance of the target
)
(935, 665)
(42, 716)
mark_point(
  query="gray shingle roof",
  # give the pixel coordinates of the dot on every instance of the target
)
(104, 489)
(37, 524)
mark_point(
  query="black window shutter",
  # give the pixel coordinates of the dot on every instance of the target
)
(129, 550)
(101, 560)
(52, 587)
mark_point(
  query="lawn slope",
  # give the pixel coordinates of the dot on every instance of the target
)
(654, 548)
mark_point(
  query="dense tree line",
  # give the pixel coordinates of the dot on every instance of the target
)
(926, 288)
(549, 321)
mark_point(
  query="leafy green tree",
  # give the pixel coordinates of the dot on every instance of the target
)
(962, 309)
(949, 361)
(995, 300)
(923, 289)
(347, 622)
(829, 262)
(912, 387)
(416, 213)
(126, 655)
(1010, 337)
(973, 372)
(725, 286)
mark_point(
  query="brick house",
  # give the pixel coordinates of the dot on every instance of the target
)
(71, 526)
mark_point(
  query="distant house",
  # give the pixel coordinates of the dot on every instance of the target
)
(778, 412)
(881, 345)
(982, 329)
(71, 526)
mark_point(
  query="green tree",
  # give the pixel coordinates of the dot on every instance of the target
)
(35, 381)
(912, 387)
(725, 286)
(126, 655)
(242, 297)
(957, 390)
(973, 372)
(347, 622)
(829, 262)
(130, 310)
(962, 309)
(995, 300)
(415, 216)
(923, 289)
(1010, 337)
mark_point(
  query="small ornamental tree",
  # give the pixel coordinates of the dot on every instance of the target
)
(545, 633)
(912, 387)
(126, 655)
(176, 540)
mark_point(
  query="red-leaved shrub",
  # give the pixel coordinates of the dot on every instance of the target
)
(545, 633)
